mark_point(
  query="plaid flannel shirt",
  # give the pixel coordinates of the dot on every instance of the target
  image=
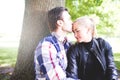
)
(50, 58)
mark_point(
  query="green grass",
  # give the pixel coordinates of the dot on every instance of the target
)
(117, 60)
(8, 56)
(5, 77)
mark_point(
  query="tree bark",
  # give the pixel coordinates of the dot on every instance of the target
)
(34, 28)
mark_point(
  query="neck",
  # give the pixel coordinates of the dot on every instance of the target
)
(60, 33)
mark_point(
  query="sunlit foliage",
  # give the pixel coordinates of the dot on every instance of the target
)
(107, 12)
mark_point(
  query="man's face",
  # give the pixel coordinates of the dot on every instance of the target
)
(67, 22)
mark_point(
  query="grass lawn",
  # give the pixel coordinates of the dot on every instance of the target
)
(8, 56)
(117, 60)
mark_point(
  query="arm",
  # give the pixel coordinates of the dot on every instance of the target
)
(72, 68)
(47, 61)
(111, 72)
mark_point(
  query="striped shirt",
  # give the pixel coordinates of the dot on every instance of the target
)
(50, 58)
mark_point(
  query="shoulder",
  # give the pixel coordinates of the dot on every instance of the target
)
(73, 48)
(102, 42)
(48, 40)
(100, 39)
(74, 51)
(75, 45)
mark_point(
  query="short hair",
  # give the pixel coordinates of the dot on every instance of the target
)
(87, 22)
(54, 15)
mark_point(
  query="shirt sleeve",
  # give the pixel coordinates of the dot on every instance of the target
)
(47, 63)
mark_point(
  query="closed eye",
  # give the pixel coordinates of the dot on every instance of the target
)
(76, 31)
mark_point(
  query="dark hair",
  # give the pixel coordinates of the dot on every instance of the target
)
(54, 15)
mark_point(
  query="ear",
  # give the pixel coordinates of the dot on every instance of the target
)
(59, 22)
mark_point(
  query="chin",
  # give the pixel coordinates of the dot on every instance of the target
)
(79, 41)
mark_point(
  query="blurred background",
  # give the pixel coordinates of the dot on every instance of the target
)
(105, 12)
(11, 17)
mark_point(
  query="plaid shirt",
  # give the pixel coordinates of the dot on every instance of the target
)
(50, 58)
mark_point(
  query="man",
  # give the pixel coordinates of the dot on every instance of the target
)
(50, 54)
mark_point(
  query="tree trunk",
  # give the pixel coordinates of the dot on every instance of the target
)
(34, 28)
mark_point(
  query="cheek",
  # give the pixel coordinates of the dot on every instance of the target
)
(77, 35)
(83, 31)
(69, 25)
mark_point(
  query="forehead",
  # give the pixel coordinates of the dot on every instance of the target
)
(65, 14)
(77, 25)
